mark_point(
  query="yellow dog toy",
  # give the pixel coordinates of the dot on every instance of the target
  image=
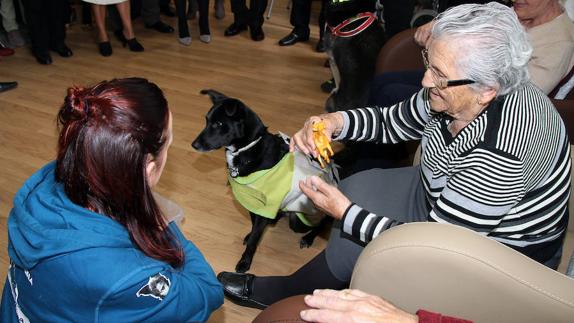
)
(322, 143)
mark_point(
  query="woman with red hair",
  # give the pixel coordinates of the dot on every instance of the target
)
(88, 241)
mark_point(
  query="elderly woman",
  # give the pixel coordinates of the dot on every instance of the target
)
(495, 157)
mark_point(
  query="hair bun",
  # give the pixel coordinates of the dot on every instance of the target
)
(77, 102)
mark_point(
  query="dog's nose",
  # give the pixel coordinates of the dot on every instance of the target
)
(195, 144)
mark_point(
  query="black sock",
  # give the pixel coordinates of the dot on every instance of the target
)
(314, 274)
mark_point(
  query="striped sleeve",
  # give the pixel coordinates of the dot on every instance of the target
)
(483, 189)
(403, 121)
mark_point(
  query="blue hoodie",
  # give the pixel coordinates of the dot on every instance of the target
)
(71, 264)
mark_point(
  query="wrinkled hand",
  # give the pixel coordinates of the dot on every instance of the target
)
(303, 139)
(423, 34)
(326, 197)
(350, 306)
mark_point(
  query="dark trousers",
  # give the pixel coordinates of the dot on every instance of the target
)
(180, 8)
(252, 16)
(46, 23)
(392, 87)
(301, 16)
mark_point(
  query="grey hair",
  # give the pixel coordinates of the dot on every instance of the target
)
(492, 46)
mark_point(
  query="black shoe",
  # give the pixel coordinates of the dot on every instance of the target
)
(238, 287)
(234, 29)
(292, 39)
(134, 45)
(166, 11)
(5, 86)
(257, 33)
(105, 48)
(328, 86)
(43, 58)
(63, 50)
(161, 27)
(320, 48)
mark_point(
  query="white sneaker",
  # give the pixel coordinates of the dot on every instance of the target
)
(205, 38)
(185, 41)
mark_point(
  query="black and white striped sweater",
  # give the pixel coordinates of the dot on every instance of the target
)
(505, 175)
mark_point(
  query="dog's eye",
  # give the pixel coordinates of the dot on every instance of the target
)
(217, 124)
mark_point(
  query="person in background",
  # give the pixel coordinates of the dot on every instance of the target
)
(244, 17)
(126, 35)
(299, 19)
(88, 240)
(150, 14)
(46, 25)
(8, 15)
(552, 57)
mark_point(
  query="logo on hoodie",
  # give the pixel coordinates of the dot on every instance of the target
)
(157, 287)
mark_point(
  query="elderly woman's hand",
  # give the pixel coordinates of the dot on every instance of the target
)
(303, 139)
(326, 197)
(351, 305)
(423, 34)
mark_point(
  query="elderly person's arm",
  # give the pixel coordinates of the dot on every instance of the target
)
(352, 305)
(403, 121)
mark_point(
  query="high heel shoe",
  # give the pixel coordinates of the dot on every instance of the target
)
(105, 48)
(134, 45)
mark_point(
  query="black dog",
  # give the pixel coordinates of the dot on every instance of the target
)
(250, 149)
(352, 52)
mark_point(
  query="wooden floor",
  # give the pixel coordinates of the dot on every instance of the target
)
(280, 84)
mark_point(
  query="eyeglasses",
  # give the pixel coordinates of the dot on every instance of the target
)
(440, 82)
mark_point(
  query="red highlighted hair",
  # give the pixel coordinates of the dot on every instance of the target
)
(107, 134)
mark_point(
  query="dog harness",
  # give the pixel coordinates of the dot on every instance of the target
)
(369, 18)
(268, 191)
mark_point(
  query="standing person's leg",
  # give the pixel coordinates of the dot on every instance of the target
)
(184, 36)
(395, 193)
(38, 22)
(302, 17)
(322, 22)
(129, 37)
(256, 19)
(204, 33)
(151, 17)
(299, 18)
(8, 15)
(219, 9)
(240, 18)
(99, 15)
(57, 13)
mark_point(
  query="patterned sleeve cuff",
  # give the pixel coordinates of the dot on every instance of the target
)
(345, 129)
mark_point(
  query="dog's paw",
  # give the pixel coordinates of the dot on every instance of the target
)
(242, 266)
(306, 242)
(246, 238)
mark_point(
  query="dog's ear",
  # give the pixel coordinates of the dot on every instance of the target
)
(215, 96)
(233, 107)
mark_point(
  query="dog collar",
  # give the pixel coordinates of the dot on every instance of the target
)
(230, 153)
(369, 18)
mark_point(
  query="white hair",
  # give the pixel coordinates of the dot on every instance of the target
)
(491, 45)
